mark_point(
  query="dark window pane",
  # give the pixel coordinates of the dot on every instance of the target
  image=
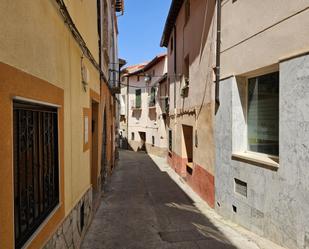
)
(36, 189)
(263, 114)
(138, 98)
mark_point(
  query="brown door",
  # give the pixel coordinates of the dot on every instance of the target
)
(188, 141)
(94, 146)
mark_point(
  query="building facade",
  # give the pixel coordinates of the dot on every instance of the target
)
(261, 125)
(143, 98)
(57, 103)
(191, 93)
(238, 117)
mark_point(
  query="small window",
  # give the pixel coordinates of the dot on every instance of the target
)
(152, 100)
(187, 11)
(263, 114)
(138, 98)
(132, 136)
(153, 72)
(137, 78)
(153, 140)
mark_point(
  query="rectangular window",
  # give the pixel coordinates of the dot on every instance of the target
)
(137, 78)
(132, 136)
(138, 98)
(36, 162)
(152, 100)
(263, 114)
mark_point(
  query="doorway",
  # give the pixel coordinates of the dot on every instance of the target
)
(143, 140)
(104, 159)
(94, 147)
(188, 143)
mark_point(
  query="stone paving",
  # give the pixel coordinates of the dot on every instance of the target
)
(144, 208)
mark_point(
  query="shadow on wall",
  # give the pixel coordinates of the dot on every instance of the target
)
(124, 144)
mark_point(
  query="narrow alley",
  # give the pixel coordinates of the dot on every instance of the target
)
(144, 208)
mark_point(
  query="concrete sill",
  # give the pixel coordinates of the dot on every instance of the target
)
(189, 168)
(152, 107)
(260, 160)
(190, 165)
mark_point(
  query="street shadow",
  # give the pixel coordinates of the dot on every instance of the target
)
(144, 209)
(178, 218)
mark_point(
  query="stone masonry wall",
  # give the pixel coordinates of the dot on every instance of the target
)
(277, 201)
(69, 235)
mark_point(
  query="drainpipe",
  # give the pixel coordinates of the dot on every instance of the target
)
(175, 65)
(127, 112)
(218, 49)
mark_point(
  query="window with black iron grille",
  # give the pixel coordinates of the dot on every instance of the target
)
(36, 173)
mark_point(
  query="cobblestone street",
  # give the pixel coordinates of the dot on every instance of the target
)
(144, 208)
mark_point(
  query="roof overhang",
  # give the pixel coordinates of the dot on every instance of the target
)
(170, 21)
(149, 65)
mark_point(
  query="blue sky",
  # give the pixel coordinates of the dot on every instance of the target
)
(140, 29)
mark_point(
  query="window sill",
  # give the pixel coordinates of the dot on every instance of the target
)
(262, 160)
(189, 165)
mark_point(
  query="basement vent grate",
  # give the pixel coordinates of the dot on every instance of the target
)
(240, 187)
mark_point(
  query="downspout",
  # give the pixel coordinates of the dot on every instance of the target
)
(218, 50)
(128, 112)
(175, 65)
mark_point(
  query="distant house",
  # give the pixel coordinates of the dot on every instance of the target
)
(144, 98)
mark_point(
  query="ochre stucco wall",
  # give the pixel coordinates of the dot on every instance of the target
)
(43, 56)
(15, 83)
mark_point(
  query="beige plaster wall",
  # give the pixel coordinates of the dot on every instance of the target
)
(195, 39)
(262, 30)
(146, 119)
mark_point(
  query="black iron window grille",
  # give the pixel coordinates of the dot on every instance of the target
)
(36, 173)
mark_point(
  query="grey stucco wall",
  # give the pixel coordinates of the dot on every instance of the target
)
(277, 202)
